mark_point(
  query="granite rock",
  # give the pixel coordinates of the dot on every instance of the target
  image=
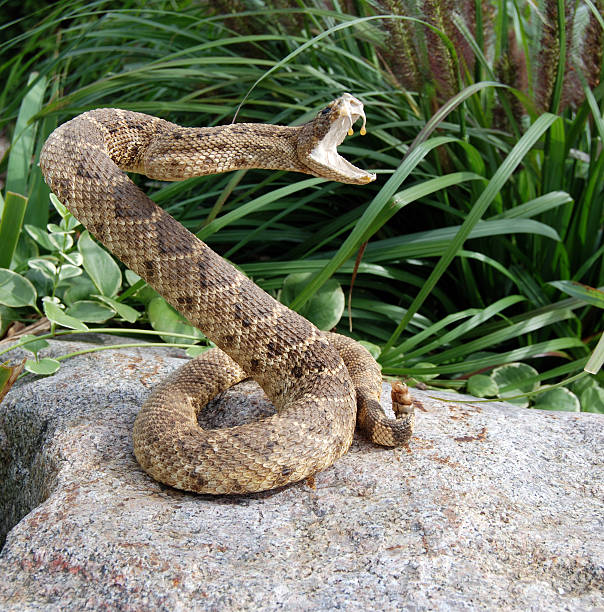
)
(491, 507)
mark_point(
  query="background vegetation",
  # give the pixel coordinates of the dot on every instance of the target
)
(473, 261)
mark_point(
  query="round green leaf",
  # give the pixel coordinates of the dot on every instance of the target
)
(131, 277)
(61, 241)
(53, 227)
(592, 399)
(40, 281)
(56, 315)
(44, 266)
(374, 349)
(424, 377)
(198, 349)
(59, 206)
(481, 385)
(69, 271)
(326, 306)
(558, 399)
(123, 310)
(146, 293)
(164, 318)
(44, 367)
(78, 288)
(69, 223)
(74, 258)
(40, 236)
(510, 396)
(515, 375)
(35, 345)
(16, 290)
(90, 312)
(582, 384)
(100, 266)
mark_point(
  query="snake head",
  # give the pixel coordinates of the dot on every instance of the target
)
(319, 139)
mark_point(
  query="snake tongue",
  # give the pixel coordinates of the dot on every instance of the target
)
(326, 151)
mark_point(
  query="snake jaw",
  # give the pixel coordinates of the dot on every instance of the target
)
(330, 127)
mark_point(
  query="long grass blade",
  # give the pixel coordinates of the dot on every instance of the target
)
(485, 362)
(359, 233)
(10, 226)
(503, 173)
(22, 146)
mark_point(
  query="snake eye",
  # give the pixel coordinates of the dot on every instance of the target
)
(325, 110)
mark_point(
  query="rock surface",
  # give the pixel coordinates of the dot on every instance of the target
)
(490, 508)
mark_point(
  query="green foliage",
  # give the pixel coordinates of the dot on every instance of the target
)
(324, 308)
(33, 344)
(164, 318)
(44, 367)
(21, 178)
(591, 398)
(558, 399)
(514, 379)
(476, 233)
(16, 290)
(75, 284)
(481, 385)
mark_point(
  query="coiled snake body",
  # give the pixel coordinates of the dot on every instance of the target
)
(320, 383)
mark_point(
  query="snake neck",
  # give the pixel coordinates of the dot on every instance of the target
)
(224, 148)
(173, 153)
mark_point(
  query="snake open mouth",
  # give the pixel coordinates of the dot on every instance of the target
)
(349, 109)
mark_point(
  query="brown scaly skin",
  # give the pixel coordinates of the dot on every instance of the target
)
(309, 376)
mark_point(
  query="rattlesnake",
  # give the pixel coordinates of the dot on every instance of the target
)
(301, 369)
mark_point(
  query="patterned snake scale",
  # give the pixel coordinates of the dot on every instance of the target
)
(320, 383)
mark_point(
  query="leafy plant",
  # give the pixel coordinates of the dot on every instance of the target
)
(490, 188)
(77, 282)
